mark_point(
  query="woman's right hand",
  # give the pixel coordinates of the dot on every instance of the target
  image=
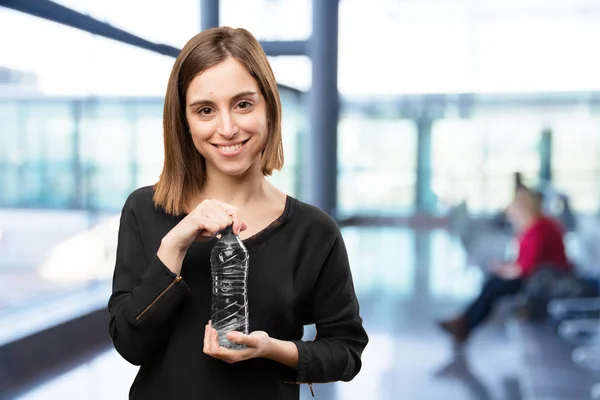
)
(204, 222)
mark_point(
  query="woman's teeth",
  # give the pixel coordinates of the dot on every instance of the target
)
(231, 149)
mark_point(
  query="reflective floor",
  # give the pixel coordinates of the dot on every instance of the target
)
(405, 280)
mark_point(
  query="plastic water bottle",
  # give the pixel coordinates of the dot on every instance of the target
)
(229, 266)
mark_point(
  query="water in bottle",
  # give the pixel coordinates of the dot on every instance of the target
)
(229, 266)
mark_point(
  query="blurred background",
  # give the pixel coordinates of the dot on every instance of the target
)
(405, 120)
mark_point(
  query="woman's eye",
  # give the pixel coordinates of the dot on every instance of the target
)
(204, 111)
(244, 104)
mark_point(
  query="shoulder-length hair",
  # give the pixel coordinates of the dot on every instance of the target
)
(184, 168)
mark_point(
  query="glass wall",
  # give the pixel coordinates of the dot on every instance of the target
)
(477, 145)
(293, 131)
(576, 156)
(377, 165)
(268, 19)
(182, 18)
(91, 153)
(475, 159)
(64, 61)
(490, 46)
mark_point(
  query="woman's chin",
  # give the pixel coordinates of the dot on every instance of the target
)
(234, 170)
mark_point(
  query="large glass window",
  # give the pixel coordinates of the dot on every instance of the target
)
(450, 276)
(47, 154)
(148, 142)
(268, 19)
(475, 159)
(456, 162)
(377, 165)
(107, 148)
(576, 160)
(289, 178)
(376, 272)
(165, 22)
(293, 71)
(467, 46)
(10, 158)
(62, 61)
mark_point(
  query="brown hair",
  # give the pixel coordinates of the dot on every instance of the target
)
(184, 171)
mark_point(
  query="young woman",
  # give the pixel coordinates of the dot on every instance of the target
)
(222, 136)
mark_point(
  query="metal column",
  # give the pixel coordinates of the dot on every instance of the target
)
(424, 194)
(323, 107)
(79, 182)
(546, 157)
(209, 14)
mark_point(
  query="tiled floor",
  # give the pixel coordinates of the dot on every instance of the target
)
(404, 280)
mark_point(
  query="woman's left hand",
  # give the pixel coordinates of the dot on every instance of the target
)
(509, 271)
(258, 345)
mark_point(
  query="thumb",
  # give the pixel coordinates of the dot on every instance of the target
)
(239, 337)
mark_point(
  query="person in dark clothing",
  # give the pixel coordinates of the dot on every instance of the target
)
(540, 243)
(222, 137)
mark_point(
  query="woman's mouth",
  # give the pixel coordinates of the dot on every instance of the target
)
(231, 150)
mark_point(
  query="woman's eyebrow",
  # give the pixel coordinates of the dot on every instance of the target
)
(247, 93)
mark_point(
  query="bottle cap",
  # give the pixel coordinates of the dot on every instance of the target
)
(229, 229)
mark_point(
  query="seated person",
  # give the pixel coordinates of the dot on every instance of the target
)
(540, 243)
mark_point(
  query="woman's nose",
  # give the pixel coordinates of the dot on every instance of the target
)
(227, 127)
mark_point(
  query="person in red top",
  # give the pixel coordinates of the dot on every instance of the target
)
(540, 244)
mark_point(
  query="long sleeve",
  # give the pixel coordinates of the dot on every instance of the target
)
(335, 354)
(145, 296)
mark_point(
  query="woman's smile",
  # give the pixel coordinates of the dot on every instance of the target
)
(231, 149)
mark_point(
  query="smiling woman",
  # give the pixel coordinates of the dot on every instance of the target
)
(225, 122)
(222, 136)
(214, 73)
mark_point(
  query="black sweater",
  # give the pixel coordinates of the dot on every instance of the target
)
(298, 275)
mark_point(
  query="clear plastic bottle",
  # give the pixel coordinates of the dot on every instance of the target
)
(229, 267)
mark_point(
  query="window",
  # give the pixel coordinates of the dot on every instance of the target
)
(269, 19)
(475, 159)
(576, 160)
(377, 165)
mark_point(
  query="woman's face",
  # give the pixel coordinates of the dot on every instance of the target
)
(515, 213)
(227, 117)
(519, 211)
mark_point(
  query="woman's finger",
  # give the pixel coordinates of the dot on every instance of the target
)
(214, 339)
(241, 338)
(218, 214)
(208, 227)
(234, 212)
(206, 347)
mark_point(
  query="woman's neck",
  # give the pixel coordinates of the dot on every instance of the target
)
(236, 190)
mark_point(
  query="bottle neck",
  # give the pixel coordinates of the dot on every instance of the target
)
(227, 231)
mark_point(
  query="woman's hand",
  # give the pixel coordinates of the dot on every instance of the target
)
(508, 271)
(204, 222)
(258, 345)
(496, 265)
